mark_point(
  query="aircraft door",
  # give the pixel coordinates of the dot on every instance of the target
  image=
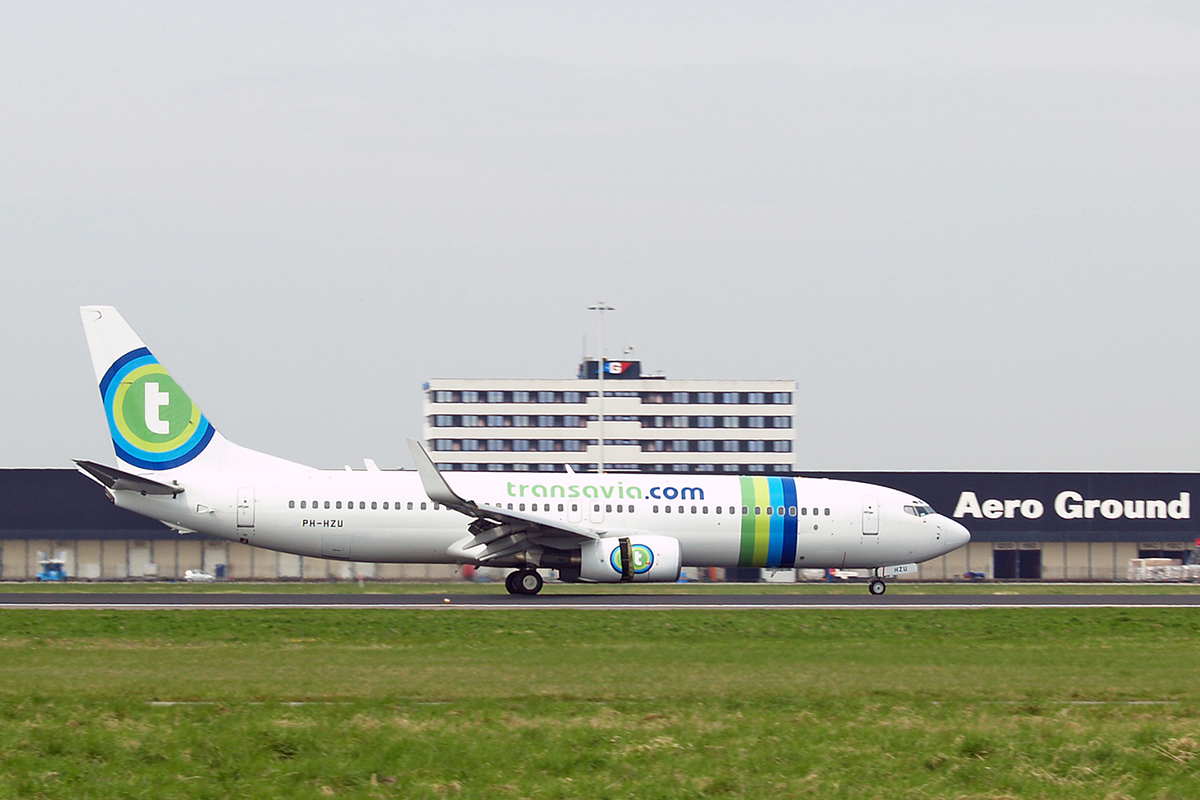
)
(595, 511)
(870, 515)
(245, 507)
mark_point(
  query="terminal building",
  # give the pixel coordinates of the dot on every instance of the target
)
(650, 423)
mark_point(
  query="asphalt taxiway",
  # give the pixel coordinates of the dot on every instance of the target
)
(616, 600)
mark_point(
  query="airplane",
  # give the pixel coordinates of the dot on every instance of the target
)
(175, 467)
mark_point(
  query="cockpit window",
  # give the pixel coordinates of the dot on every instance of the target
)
(920, 510)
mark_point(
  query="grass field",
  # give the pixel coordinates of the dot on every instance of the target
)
(556, 703)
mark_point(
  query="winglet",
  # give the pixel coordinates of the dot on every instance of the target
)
(435, 485)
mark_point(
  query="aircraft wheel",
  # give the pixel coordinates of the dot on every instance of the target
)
(527, 581)
(510, 582)
(877, 587)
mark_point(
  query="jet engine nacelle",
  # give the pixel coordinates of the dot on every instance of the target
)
(640, 559)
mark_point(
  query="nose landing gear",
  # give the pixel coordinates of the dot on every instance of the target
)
(876, 586)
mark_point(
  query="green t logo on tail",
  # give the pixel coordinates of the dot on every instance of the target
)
(154, 424)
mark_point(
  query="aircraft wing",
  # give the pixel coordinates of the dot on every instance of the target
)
(497, 532)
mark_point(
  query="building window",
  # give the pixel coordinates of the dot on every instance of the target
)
(572, 421)
(679, 422)
(520, 421)
(679, 446)
(545, 445)
(756, 446)
(470, 397)
(729, 398)
(495, 397)
(782, 447)
(756, 398)
(443, 421)
(781, 398)
(470, 444)
(495, 444)
(572, 397)
(572, 445)
(495, 421)
(781, 422)
(706, 445)
(757, 422)
(520, 397)
(545, 421)
(730, 422)
(520, 445)
(470, 421)
(679, 397)
(705, 397)
(706, 422)
(443, 397)
(546, 397)
(442, 444)
(730, 447)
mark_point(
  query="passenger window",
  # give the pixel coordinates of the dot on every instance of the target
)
(375, 505)
(681, 509)
(704, 510)
(410, 505)
(718, 509)
(770, 510)
(666, 509)
(631, 509)
(560, 506)
(693, 509)
(757, 510)
(422, 506)
(791, 511)
(827, 512)
(608, 509)
(304, 504)
(654, 509)
(327, 504)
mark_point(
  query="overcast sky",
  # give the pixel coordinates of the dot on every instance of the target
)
(970, 232)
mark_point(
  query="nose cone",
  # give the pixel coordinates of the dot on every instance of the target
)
(955, 534)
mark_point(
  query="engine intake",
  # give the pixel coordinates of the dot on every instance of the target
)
(637, 559)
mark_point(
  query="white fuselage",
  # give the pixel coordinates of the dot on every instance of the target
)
(386, 516)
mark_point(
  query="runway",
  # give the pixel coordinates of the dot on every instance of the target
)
(614, 601)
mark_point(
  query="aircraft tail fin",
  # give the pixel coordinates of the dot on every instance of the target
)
(153, 423)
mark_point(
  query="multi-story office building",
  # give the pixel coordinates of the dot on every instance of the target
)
(650, 424)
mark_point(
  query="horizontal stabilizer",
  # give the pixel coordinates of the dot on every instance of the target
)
(117, 480)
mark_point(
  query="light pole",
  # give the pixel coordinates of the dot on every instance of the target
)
(601, 307)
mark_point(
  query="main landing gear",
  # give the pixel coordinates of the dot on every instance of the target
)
(523, 581)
